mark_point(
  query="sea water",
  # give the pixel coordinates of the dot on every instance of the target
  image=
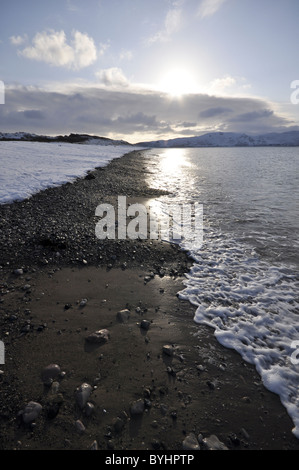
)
(245, 278)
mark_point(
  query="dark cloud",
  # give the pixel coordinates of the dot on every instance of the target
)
(33, 114)
(134, 115)
(252, 116)
(212, 112)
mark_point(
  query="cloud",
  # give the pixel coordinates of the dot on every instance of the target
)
(213, 112)
(112, 77)
(133, 114)
(52, 47)
(209, 7)
(126, 55)
(228, 84)
(172, 24)
(18, 40)
(253, 115)
(33, 114)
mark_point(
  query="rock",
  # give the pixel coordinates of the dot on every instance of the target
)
(83, 302)
(145, 324)
(123, 315)
(89, 409)
(212, 443)
(31, 412)
(168, 350)
(211, 385)
(80, 426)
(94, 446)
(191, 442)
(245, 433)
(83, 394)
(50, 373)
(55, 387)
(137, 408)
(99, 337)
(19, 272)
(118, 424)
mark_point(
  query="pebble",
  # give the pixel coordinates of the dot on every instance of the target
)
(118, 424)
(191, 442)
(19, 272)
(137, 408)
(145, 324)
(89, 409)
(31, 412)
(94, 446)
(80, 426)
(83, 302)
(83, 394)
(168, 350)
(99, 337)
(212, 443)
(50, 373)
(123, 315)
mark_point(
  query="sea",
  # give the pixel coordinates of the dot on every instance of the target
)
(244, 281)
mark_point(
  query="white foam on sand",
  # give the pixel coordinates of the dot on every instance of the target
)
(253, 308)
(29, 167)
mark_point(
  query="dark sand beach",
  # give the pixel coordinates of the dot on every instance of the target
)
(142, 396)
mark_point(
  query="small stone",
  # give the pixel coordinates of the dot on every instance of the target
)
(245, 433)
(168, 350)
(137, 408)
(145, 324)
(83, 394)
(123, 315)
(99, 337)
(31, 412)
(118, 425)
(212, 443)
(211, 385)
(19, 272)
(246, 400)
(83, 302)
(191, 442)
(89, 409)
(80, 426)
(50, 373)
(55, 387)
(94, 446)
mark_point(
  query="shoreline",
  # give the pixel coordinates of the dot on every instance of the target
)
(201, 388)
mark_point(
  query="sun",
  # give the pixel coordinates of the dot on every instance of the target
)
(178, 82)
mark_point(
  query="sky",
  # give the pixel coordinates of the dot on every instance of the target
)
(143, 70)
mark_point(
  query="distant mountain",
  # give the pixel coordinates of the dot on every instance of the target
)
(212, 139)
(71, 138)
(229, 139)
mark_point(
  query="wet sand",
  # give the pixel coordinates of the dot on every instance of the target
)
(201, 388)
